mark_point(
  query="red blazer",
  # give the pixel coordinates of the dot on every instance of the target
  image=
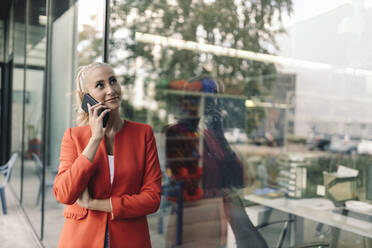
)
(135, 191)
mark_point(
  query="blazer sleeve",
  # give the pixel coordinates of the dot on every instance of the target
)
(74, 172)
(147, 201)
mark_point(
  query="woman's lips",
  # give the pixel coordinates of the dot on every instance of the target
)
(111, 99)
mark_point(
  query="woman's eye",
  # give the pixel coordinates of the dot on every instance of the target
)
(99, 85)
(113, 81)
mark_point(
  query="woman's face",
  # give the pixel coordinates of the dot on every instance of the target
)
(102, 85)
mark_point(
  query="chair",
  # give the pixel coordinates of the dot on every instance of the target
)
(248, 234)
(291, 219)
(48, 183)
(6, 170)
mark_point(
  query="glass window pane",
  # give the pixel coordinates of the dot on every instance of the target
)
(90, 29)
(18, 91)
(1, 40)
(10, 31)
(35, 67)
(77, 39)
(62, 67)
(17, 125)
(19, 32)
(249, 98)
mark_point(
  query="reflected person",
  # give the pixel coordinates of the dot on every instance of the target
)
(222, 172)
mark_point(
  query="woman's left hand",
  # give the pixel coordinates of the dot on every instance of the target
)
(84, 199)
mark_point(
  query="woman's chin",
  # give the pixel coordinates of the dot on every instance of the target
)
(113, 107)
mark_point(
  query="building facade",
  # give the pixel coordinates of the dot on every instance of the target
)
(232, 90)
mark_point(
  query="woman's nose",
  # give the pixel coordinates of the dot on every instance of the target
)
(110, 90)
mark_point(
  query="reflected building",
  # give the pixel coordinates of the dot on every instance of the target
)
(333, 100)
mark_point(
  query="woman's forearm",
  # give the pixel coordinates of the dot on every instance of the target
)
(91, 149)
(100, 205)
(90, 152)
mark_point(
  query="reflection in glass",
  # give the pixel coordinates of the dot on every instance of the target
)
(90, 28)
(10, 32)
(197, 150)
(33, 137)
(19, 34)
(18, 91)
(33, 127)
(1, 40)
(17, 124)
(150, 67)
(62, 66)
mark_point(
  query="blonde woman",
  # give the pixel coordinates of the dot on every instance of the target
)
(110, 177)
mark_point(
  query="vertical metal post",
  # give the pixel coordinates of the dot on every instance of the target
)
(46, 107)
(6, 88)
(75, 37)
(106, 32)
(24, 95)
(201, 129)
(179, 213)
(287, 106)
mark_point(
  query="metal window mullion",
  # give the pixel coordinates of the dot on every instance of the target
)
(6, 98)
(46, 108)
(24, 95)
(106, 32)
(75, 35)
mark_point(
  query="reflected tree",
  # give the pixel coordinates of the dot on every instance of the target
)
(247, 25)
(90, 45)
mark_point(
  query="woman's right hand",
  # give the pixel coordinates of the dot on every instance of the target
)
(95, 121)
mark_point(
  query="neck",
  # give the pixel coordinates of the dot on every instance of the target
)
(114, 123)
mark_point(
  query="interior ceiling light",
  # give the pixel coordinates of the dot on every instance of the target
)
(42, 20)
(244, 54)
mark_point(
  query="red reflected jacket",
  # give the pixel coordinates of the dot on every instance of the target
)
(135, 191)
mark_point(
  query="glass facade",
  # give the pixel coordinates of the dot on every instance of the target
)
(62, 66)
(18, 100)
(90, 25)
(2, 32)
(34, 111)
(259, 109)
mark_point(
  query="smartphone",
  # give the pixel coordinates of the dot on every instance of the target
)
(89, 99)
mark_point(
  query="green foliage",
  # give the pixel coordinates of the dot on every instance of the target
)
(141, 115)
(296, 139)
(131, 113)
(254, 116)
(247, 25)
(91, 44)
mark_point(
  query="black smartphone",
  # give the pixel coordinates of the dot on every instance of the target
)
(89, 99)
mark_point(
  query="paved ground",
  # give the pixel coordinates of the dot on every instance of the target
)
(14, 230)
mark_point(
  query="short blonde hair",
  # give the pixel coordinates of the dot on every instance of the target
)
(82, 72)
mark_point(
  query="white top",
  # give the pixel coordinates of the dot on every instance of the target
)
(111, 164)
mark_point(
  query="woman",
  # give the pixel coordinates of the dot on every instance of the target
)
(110, 177)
